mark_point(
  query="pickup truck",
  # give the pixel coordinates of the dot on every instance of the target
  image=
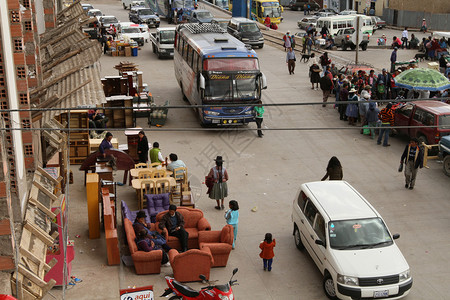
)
(346, 38)
(131, 31)
(163, 41)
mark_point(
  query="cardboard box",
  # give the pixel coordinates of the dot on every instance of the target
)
(127, 51)
(115, 53)
(122, 53)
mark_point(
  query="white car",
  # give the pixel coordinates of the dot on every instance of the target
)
(348, 12)
(136, 32)
(305, 22)
(349, 242)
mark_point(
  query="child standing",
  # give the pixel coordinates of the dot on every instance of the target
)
(232, 217)
(267, 251)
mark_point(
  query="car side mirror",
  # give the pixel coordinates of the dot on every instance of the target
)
(263, 81)
(202, 82)
(395, 236)
(320, 242)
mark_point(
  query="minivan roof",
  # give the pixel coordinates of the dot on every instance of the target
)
(339, 200)
(437, 107)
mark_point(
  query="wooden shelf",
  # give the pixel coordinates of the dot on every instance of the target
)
(79, 140)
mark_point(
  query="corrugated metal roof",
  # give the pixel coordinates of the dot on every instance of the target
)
(70, 66)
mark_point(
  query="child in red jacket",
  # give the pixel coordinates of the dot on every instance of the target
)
(267, 251)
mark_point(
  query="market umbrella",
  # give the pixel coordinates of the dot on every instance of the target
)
(422, 79)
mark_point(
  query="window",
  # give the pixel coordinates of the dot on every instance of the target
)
(319, 227)
(310, 212)
(18, 46)
(21, 72)
(185, 50)
(419, 115)
(15, 16)
(428, 119)
(199, 64)
(189, 55)
(406, 110)
(28, 26)
(195, 63)
(301, 201)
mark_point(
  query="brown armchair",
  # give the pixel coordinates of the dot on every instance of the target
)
(188, 266)
(220, 242)
(144, 262)
(194, 223)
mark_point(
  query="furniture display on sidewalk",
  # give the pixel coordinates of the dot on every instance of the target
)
(188, 266)
(79, 139)
(220, 242)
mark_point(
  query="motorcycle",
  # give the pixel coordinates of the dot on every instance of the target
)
(218, 292)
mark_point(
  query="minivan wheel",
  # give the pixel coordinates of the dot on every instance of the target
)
(446, 164)
(297, 238)
(328, 287)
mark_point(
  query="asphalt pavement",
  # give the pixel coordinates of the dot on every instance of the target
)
(265, 174)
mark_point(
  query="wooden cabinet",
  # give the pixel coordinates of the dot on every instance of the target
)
(79, 139)
(119, 118)
(132, 142)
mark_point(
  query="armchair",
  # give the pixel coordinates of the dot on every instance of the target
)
(219, 242)
(157, 203)
(188, 266)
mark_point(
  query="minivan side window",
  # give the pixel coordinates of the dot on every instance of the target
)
(301, 201)
(406, 110)
(310, 212)
(319, 227)
(418, 116)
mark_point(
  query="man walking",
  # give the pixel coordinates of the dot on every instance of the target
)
(393, 59)
(386, 115)
(405, 38)
(290, 60)
(326, 84)
(413, 158)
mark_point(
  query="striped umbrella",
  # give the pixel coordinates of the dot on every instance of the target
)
(422, 79)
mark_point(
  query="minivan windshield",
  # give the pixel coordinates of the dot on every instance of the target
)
(249, 27)
(358, 234)
(145, 12)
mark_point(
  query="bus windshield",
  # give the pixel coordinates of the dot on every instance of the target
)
(231, 87)
(182, 4)
(167, 36)
(273, 11)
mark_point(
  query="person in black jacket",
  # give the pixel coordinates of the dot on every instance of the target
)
(173, 222)
(413, 158)
(142, 147)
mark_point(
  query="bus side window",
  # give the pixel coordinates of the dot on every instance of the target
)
(189, 56)
(349, 24)
(179, 43)
(181, 47)
(195, 63)
(199, 65)
(185, 50)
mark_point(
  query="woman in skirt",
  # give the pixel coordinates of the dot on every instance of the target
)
(220, 177)
(352, 111)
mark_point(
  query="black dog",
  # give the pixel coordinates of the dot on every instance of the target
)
(306, 57)
(420, 56)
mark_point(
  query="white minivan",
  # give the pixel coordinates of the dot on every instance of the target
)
(349, 242)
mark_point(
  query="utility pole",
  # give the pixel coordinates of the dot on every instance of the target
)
(357, 38)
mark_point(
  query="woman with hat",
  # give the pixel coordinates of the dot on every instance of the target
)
(352, 108)
(219, 176)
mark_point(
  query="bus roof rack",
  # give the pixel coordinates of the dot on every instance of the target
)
(203, 28)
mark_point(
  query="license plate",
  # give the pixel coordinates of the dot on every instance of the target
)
(381, 294)
(171, 53)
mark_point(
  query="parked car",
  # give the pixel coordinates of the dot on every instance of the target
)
(424, 113)
(136, 32)
(379, 23)
(247, 31)
(347, 12)
(140, 15)
(346, 38)
(135, 4)
(87, 7)
(107, 21)
(305, 22)
(349, 242)
(163, 41)
(444, 153)
(93, 13)
(300, 5)
(326, 10)
(200, 16)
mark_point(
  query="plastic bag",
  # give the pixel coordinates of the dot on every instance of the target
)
(400, 167)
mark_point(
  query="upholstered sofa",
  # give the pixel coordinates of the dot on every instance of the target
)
(220, 243)
(194, 222)
(188, 266)
(144, 262)
(131, 214)
(157, 203)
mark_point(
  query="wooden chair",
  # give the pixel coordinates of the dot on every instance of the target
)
(140, 166)
(158, 173)
(153, 165)
(147, 187)
(145, 174)
(180, 175)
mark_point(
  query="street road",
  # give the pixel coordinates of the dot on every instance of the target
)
(265, 174)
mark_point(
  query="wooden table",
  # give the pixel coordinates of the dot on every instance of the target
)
(135, 172)
(94, 144)
(136, 183)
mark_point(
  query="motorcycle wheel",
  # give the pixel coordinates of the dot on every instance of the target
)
(175, 298)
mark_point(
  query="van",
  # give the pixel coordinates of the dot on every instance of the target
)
(247, 31)
(430, 119)
(335, 23)
(349, 243)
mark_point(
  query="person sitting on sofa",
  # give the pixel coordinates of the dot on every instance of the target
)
(173, 222)
(144, 243)
(140, 224)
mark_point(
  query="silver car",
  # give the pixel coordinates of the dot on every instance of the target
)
(305, 22)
